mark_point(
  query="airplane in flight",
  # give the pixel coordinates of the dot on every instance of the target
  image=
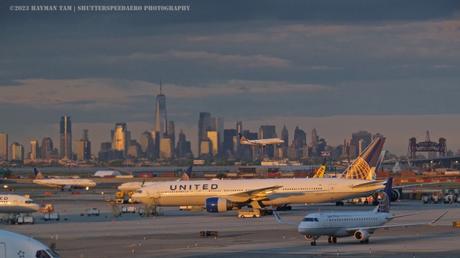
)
(15, 204)
(17, 245)
(359, 224)
(260, 142)
(63, 183)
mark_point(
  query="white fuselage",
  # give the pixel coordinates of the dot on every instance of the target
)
(289, 191)
(17, 245)
(13, 203)
(61, 183)
(338, 224)
(268, 141)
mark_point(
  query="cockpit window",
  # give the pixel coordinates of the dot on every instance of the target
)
(310, 219)
(29, 201)
(139, 191)
(42, 254)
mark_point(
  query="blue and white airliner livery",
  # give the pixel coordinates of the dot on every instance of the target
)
(359, 224)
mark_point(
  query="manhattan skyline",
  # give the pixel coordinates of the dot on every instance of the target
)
(390, 69)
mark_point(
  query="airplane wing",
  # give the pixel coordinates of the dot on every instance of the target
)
(258, 194)
(371, 183)
(431, 223)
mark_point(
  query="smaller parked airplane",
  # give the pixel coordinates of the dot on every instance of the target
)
(358, 224)
(63, 183)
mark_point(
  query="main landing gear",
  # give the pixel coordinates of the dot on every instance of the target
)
(332, 239)
(313, 238)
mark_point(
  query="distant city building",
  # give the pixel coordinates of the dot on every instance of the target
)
(206, 149)
(299, 144)
(65, 136)
(34, 150)
(161, 119)
(265, 132)
(172, 135)
(229, 144)
(47, 149)
(166, 150)
(17, 152)
(134, 150)
(183, 149)
(105, 152)
(359, 141)
(4, 146)
(84, 147)
(314, 138)
(120, 140)
(213, 137)
(147, 145)
(218, 126)
(285, 145)
(204, 124)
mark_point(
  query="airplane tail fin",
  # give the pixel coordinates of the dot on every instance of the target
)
(243, 139)
(363, 167)
(320, 172)
(38, 174)
(187, 174)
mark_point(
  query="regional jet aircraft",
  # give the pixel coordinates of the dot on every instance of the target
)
(358, 224)
(63, 183)
(17, 245)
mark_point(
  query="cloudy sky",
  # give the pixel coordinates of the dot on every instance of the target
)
(386, 66)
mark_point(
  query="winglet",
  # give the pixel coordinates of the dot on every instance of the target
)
(438, 218)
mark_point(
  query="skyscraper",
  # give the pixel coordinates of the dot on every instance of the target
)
(228, 145)
(161, 119)
(147, 145)
(17, 152)
(84, 147)
(359, 141)
(65, 133)
(183, 149)
(120, 140)
(204, 124)
(265, 132)
(47, 148)
(34, 150)
(3, 146)
(285, 144)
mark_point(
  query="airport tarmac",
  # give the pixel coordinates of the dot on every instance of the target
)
(176, 233)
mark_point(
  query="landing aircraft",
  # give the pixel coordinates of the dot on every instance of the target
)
(17, 245)
(63, 183)
(358, 224)
(260, 142)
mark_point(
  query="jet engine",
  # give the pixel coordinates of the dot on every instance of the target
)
(215, 204)
(361, 235)
(395, 195)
